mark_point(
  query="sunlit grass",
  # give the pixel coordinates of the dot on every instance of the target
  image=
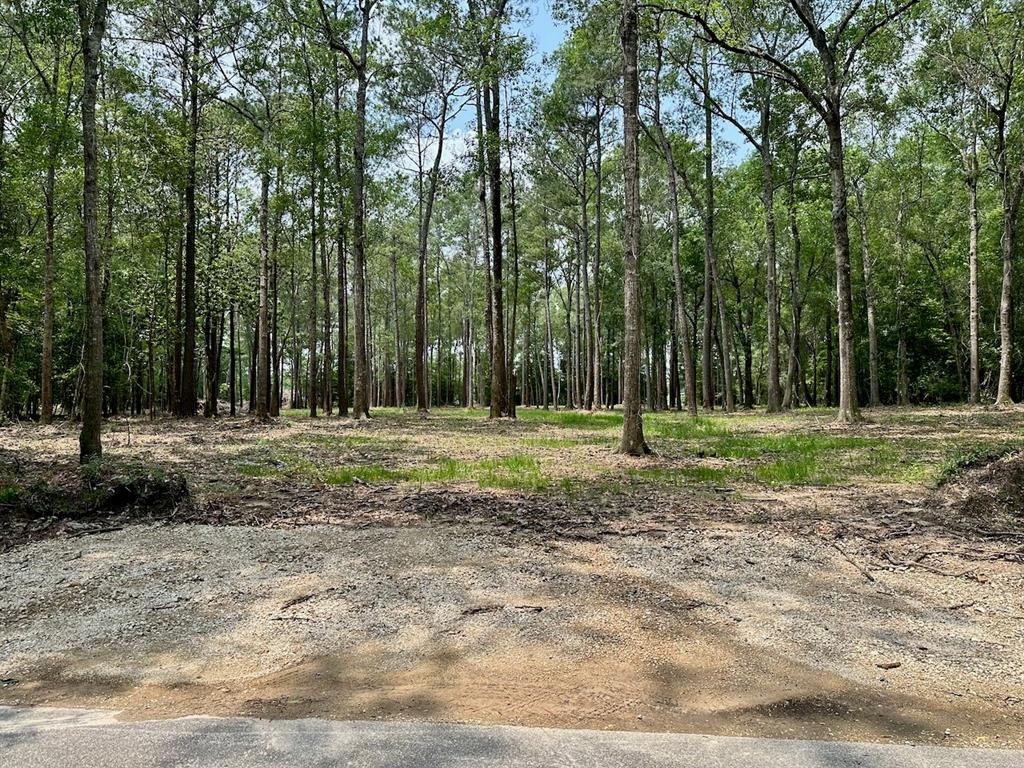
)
(554, 451)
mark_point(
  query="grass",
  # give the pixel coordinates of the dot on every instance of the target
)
(555, 450)
(967, 456)
(9, 494)
(519, 472)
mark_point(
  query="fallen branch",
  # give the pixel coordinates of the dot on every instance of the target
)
(911, 564)
(305, 598)
(850, 560)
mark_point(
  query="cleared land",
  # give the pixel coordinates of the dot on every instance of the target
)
(759, 576)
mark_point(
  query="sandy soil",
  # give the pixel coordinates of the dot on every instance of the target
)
(721, 630)
(814, 612)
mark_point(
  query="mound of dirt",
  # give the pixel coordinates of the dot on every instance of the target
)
(39, 499)
(988, 497)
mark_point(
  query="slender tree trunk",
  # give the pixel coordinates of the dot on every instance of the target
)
(499, 380)
(485, 229)
(848, 408)
(511, 352)
(263, 318)
(46, 383)
(633, 442)
(311, 391)
(342, 316)
(902, 378)
(361, 394)
(869, 291)
(427, 210)
(231, 357)
(585, 327)
(795, 291)
(707, 369)
(326, 364)
(399, 372)
(92, 23)
(729, 401)
(188, 373)
(176, 334)
(1010, 202)
(598, 395)
(276, 347)
(549, 339)
(774, 403)
(972, 257)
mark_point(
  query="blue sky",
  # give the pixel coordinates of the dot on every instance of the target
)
(542, 28)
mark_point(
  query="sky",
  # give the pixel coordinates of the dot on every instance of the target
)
(545, 32)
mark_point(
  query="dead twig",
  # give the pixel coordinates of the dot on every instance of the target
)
(864, 572)
(911, 564)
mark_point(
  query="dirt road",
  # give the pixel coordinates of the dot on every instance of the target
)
(742, 630)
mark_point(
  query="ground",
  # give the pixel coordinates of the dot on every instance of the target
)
(760, 575)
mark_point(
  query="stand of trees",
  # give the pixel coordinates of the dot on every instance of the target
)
(241, 206)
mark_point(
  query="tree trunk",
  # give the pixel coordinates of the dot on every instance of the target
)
(848, 409)
(231, 357)
(492, 145)
(263, 319)
(972, 257)
(312, 393)
(598, 395)
(869, 292)
(1010, 202)
(187, 406)
(795, 291)
(92, 23)
(361, 394)
(46, 383)
(633, 442)
(774, 402)
(399, 372)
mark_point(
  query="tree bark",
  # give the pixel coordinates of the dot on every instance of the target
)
(972, 257)
(774, 402)
(492, 146)
(869, 291)
(187, 405)
(633, 442)
(361, 393)
(1010, 189)
(46, 383)
(848, 408)
(263, 319)
(92, 23)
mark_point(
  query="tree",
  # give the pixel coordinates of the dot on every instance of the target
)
(664, 143)
(358, 58)
(984, 45)
(633, 443)
(837, 36)
(92, 19)
(434, 90)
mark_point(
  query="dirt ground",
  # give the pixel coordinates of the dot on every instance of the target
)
(870, 610)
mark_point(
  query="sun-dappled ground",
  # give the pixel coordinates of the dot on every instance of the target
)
(758, 574)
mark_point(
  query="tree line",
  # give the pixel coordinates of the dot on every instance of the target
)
(241, 206)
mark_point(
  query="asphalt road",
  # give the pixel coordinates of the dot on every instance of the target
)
(55, 738)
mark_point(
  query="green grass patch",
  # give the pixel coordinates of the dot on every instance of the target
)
(685, 475)
(9, 494)
(795, 471)
(574, 419)
(258, 470)
(370, 473)
(966, 457)
(549, 442)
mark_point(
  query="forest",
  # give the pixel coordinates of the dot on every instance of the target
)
(378, 374)
(307, 205)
